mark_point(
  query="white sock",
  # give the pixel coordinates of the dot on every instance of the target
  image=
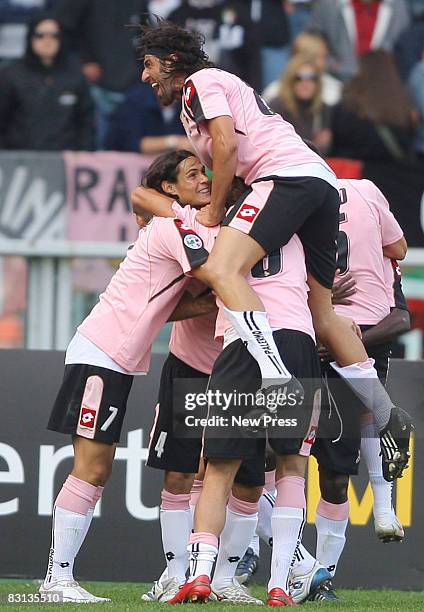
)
(365, 383)
(382, 490)
(264, 529)
(233, 543)
(253, 327)
(331, 536)
(67, 530)
(303, 562)
(202, 558)
(89, 517)
(176, 524)
(176, 528)
(163, 576)
(254, 544)
(287, 527)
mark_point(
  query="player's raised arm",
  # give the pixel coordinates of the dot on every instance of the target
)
(224, 156)
(145, 200)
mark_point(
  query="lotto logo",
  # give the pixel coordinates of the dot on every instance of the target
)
(87, 418)
(311, 436)
(189, 92)
(247, 212)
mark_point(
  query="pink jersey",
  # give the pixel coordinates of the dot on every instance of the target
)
(140, 297)
(389, 277)
(366, 226)
(193, 342)
(267, 144)
(279, 280)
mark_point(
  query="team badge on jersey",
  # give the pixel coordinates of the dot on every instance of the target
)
(192, 241)
(248, 212)
(193, 245)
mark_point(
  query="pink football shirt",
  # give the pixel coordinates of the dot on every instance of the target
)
(193, 341)
(279, 280)
(140, 297)
(366, 226)
(267, 144)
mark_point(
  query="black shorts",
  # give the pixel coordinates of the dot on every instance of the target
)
(91, 403)
(338, 443)
(167, 451)
(275, 208)
(173, 453)
(236, 369)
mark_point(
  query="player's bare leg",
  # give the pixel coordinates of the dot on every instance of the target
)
(92, 460)
(72, 515)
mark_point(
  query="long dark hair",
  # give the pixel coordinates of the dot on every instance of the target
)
(30, 57)
(165, 168)
(164, 38)
(377, 93)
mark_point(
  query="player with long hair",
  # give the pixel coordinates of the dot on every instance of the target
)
(291, 190)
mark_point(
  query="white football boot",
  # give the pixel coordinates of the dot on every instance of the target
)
(388, 528)
(236, 593)
(70, 592)
(305, 587)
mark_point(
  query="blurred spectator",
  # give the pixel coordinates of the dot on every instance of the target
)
(106, 46)
(299, 101)
(162, 8)
(238, 35)
(353, 27)
(45, 102)
(142, 126)
(409, 46)
(14, 16)
(201, 16)
(272, 24)
(254, 36)
(415, 7)
(314, 45)
(298, 12)
(416, 87)
(375, 119)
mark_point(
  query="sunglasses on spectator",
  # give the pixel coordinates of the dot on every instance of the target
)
(55, 35)
(306, 76)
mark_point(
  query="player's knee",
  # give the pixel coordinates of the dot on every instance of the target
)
(217, 274)
(96, 473)
(247, 493)
(333, 486)
(178, 483)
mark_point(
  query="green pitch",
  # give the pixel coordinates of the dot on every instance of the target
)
(126, 597)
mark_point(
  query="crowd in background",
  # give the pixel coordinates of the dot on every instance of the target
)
(349, 74)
